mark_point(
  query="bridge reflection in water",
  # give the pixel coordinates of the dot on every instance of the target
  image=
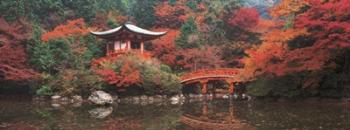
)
(220, 121)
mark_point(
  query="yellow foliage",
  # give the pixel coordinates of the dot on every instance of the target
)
(283, 35)
(273, 49)
(259, 59)
(287, 7)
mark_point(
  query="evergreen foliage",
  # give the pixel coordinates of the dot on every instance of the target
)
(143, 12)
(187, 29)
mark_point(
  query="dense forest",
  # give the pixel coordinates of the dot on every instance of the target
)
(282, 48)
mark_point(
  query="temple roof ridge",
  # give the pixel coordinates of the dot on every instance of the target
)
(130, 27)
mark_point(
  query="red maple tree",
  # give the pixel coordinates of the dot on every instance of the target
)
(201, 58)
(326, 22)
(173, 16)
(128, 74)
(72, 28)
(245, 18)
(13, 57)
(164, 48)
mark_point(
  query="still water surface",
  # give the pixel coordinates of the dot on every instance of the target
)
(217, 114)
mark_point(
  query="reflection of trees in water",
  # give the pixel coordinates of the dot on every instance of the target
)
(151, 117)
(300, 115)
(127, 116)
(207, 115)
(19, 126)
(270, 115)
(35, 116)
(121, 124)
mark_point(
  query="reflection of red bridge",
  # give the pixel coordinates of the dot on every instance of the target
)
(196, 122)
(205, 75)
(215, 121)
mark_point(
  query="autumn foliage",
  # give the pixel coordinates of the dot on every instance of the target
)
(328, 23)
(72, 28)
(164, 48)
(174, 15)
(284, 38)
(246, 18)
(13, 58)
(170, 15)
(201, 58)
(128, 75)
(325, 22)
(288, 7)
(134, 71)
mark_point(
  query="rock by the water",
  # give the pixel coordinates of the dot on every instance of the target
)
(182, 96)
(175, 99)
(55, 105)
(150, 99)
(101, 98)
(143, 97)
(101, 113)
(115, 97)
(77, 104)
(249, 98)
(77, 98)
(64, 99)
(158, 96)
(235, 96)
(55, 97)
(158, 99)
(244, 96)
(39, 98)
(173, 102)
(226, 97)
(127, 99)
(136, 99)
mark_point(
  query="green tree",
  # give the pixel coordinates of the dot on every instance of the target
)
(187, 29)
(12, 10)
(143, 13)
(172, 2)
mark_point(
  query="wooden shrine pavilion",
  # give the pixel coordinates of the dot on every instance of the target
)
(127, 37)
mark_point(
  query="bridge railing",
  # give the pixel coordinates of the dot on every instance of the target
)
(209, 73)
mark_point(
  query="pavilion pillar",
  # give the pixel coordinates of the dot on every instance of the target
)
(205, 110)
(142, 47)
(204, 84)
(231, 113)
(128, 45)
(107, 49)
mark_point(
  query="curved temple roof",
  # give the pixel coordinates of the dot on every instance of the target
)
(129, 32)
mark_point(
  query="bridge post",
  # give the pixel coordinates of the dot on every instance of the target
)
(231, 84)
(204, 84)
(232, 88)
(205, 110)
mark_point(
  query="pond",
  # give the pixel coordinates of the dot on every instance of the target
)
(22, 113)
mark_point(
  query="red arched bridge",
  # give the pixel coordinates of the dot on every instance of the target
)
(205, 75)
